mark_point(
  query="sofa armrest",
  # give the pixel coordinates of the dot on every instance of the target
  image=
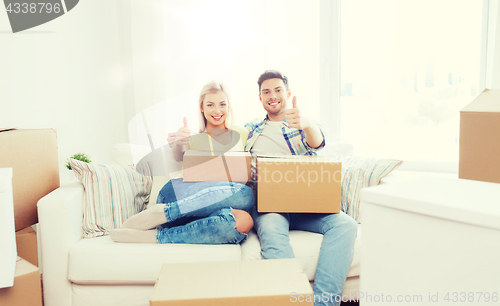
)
(60, 225)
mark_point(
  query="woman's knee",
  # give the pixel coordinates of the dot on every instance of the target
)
(166, 193)
(244, 222)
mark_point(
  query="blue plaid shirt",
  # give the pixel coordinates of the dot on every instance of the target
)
(295, 139)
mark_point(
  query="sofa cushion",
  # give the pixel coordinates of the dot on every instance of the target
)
(358, 173)
(102, 261)
(306, 246)
(112, 194)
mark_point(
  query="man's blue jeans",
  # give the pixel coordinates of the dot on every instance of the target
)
(200, 213)
(336, 253)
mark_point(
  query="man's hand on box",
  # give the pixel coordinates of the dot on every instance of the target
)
(294, 118)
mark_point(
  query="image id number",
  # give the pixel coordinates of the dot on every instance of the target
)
(471, 297)
(33, 8)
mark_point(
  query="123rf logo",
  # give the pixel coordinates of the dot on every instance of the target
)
(27, 14)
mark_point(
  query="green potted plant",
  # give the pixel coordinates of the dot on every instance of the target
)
(78, 156)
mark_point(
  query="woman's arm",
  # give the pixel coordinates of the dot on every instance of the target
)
(181, 143)
(178, 150)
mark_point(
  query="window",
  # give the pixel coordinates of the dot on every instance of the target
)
(406, 70)
(234, 42)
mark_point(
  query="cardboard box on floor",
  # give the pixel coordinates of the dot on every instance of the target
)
(480, 138)
(27, 245)
(27, 288)
(272, 282)
(32, 154)
(204, 166)
(300, 184)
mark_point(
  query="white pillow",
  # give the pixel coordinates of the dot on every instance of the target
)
(112, 194)
(358, 173)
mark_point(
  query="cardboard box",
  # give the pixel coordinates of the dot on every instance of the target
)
(272, 282)
(33, 156)
(204, 166)
(27, 245)
(27, 290)
(8, 253)
(301, 184)
(480, 138)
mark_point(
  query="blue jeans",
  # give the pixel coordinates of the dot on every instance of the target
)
(336, 253)
(200, 213)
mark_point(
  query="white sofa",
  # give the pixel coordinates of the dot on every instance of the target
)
(98, 271)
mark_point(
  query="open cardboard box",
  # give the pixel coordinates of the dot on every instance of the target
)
(26, 242)
(480, 138)
(204, 166)
(27, 289)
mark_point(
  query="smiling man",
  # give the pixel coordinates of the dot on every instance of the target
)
(285, 131)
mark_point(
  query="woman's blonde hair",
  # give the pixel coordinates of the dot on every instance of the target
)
(210, 88)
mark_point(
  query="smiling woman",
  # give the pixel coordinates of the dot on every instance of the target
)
(216, 111)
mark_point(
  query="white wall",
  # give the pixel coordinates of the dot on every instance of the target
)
(65, 75)
(493, 46)
(90, 71)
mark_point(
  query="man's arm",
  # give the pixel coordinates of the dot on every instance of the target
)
(314, 137)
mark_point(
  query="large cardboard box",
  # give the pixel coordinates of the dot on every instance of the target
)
(27, 245)
(273, 282)
(300, 184)
(27, 290)
(203, 166)
(33, 156)
(8, 253)
(480, 138)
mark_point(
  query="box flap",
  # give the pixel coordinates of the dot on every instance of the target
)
(302, 159)
(487, 101)
(230, 283)
(215, 153)
(24, 267)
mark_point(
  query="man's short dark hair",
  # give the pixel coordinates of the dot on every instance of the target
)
(272, 74)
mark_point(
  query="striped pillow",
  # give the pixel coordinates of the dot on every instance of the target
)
(112, 194)
(358, 173)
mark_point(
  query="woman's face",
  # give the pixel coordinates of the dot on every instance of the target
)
(214, 108)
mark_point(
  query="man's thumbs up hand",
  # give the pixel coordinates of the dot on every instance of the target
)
(294, 118)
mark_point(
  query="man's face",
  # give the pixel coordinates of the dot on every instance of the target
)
(274, 96)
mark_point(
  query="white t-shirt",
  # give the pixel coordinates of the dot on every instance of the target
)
(271, 141)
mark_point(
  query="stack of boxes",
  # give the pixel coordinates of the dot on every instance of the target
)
(31, 156)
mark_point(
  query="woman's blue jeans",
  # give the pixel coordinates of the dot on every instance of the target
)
(200, 212)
